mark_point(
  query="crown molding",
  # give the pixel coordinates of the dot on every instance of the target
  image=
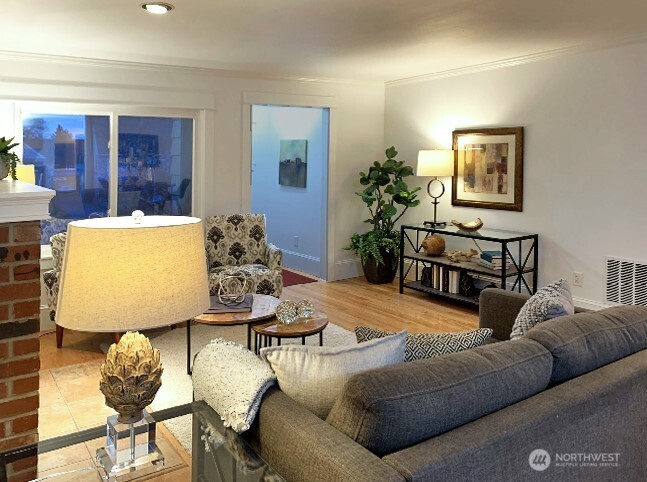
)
(165, 68)
(524, 59)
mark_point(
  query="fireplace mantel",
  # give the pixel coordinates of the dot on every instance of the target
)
(20, 201)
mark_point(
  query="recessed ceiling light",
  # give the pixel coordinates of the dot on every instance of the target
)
(158, 8)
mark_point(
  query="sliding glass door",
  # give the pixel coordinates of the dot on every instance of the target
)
(155, 165)
(71, 154)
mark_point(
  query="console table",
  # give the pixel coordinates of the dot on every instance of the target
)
(521, 250)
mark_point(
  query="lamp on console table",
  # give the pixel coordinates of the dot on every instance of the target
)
(132, 273)
(436, 163)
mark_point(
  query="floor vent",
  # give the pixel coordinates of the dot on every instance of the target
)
(626, 281)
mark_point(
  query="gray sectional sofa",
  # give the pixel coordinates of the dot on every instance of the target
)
(570, 399)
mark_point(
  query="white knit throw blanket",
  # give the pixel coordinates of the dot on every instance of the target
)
(232, 380)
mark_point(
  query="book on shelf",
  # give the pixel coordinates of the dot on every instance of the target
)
(454, 281)
(444, 281)
(244, 306)
(491, 255)
(496, 265)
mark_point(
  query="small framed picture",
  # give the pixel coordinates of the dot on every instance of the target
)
(488, 168)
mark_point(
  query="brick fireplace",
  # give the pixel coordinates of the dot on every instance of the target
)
(22, 206)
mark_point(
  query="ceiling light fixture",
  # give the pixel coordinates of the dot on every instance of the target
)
(158, 8)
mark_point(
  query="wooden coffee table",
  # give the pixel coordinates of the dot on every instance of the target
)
(263, 308)
(264, 332)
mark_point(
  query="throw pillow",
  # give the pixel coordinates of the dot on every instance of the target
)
(235, 398)
(426, 345)
(315, 376)
(548, 302)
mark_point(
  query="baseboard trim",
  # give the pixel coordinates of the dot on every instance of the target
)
(591, 304)
(347, 268)
(307, 264)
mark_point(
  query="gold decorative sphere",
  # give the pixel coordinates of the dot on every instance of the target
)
(434, 245)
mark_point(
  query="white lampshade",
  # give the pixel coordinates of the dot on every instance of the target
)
(118, 275)
(437, 162)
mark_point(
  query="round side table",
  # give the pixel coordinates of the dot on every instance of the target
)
(264, 332)
(263, 308)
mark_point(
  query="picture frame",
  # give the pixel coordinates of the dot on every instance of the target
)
(293, 162)
(488, 168)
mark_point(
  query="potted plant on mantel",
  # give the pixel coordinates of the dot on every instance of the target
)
(385, 190)
(8, 159)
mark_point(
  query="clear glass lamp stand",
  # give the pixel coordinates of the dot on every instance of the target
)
(131, 450)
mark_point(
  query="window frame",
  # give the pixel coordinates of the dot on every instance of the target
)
(113, 112)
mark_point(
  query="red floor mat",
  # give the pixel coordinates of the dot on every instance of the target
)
(290, 278)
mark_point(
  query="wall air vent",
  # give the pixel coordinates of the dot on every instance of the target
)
(626, 281)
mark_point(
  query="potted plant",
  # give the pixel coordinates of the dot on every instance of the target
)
(385, 190)
(8, 159)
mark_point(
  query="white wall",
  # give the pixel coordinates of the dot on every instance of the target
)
(357, 132)
(289, 210)
(585, 159)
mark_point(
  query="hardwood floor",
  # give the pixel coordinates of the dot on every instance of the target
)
(354, 302)
(70, 398)
(347, 303)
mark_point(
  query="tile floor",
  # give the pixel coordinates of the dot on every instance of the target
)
(70, 401)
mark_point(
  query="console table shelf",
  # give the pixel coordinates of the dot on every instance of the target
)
(520, 250)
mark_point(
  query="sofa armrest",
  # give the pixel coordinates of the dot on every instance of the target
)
(302, 447)
(273, 256)
(498, 309)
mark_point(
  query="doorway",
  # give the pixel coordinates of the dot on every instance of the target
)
(289, 164)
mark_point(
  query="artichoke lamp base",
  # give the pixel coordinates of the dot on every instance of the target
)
(131, 449)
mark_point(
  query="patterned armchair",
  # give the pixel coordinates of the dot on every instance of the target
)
(51, 279)
(238, 242)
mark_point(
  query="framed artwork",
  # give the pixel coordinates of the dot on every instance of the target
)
(293, 162)
(488, 168)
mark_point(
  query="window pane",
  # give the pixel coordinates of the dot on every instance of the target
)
(155, 165)
(70, 155)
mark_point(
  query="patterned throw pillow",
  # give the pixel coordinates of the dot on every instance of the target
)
(548, 302)
(426, 345)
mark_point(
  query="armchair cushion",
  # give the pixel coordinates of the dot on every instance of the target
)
(261, 279)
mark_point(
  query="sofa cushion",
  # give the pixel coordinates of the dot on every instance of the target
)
(426, 345)
(397, 406)
(315, 376)
(547, 303)
(586, 341)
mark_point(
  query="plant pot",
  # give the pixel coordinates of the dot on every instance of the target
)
(381, 273)
(4, 170)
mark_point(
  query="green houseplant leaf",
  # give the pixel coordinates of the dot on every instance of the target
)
(8, 158)
(387, 196)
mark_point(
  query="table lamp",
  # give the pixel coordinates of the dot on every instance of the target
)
(26, 173)
(131, 273)
(436, 163)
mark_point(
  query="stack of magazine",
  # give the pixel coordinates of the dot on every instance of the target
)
(242, 307)
(493, 260)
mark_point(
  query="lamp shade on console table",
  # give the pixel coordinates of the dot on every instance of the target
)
(435, 163)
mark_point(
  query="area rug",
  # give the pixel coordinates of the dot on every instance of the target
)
(290, 278)
(176, 384)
